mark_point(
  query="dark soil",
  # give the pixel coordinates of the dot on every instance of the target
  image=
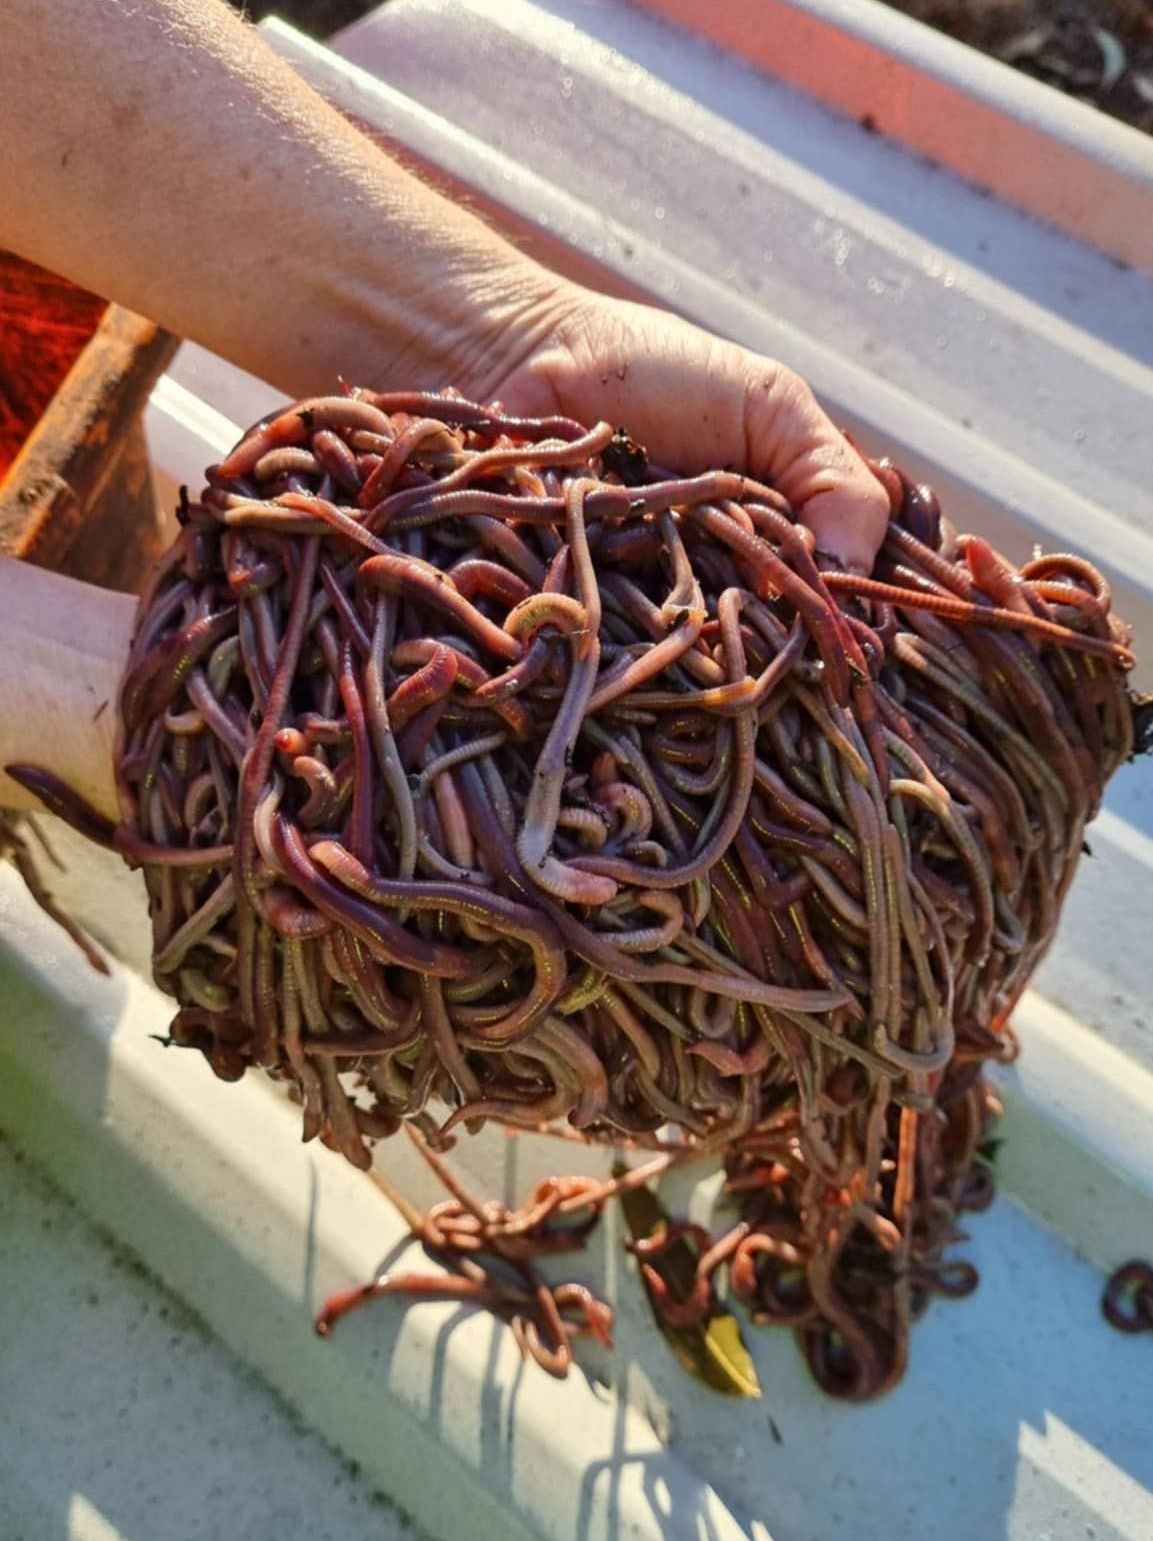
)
(319, 18)
(1100, 51)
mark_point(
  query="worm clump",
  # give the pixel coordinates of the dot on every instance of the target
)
(481, 770)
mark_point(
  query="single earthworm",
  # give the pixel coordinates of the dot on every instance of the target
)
(414, 437)
(993, 615)
(476, 576)
(561, 612)
(431, 682)
(575, 452)
(392, 573)
(653, 661)
(453, 408)
(543, 802)
(296, 425)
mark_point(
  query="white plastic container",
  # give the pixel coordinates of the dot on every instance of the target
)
(1011, 365)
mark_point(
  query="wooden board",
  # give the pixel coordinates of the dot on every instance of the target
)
(78, 494)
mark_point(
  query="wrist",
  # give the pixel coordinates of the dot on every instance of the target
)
(464, 310)
(526, 316)
(478, 324)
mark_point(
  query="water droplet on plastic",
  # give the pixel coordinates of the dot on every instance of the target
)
(658, 212)
(1078, 435)
(942, 342)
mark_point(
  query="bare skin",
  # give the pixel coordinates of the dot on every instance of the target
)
(188, 173)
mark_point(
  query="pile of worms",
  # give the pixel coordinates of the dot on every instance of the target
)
(481, 770)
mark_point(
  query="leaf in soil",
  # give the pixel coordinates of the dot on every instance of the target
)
(712, 1351)
(1113, 58)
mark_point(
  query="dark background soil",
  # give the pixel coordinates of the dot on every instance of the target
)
(1100, 51)
(319, 18)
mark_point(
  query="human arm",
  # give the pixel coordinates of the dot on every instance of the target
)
(65, 646)
(187, 172)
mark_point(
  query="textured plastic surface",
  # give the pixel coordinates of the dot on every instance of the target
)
(122, 1419)
(1056, 157)
(1026, 1416)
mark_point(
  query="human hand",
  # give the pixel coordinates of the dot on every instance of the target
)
(417, 292)
(696, 402)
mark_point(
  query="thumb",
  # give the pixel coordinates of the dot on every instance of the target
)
(802, 453)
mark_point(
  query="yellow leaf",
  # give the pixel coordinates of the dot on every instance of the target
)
(712, 1351)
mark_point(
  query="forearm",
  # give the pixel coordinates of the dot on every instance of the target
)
(65, 647)
(164, 157)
